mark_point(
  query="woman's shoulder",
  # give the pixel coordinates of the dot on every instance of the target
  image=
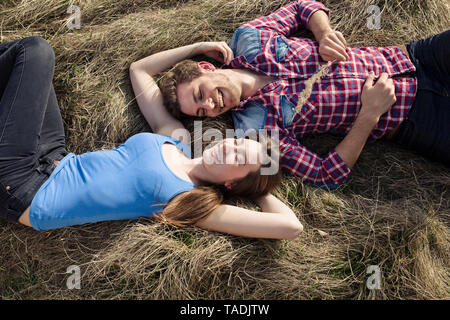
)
(145, 139)
(153, 140)
(151, 137)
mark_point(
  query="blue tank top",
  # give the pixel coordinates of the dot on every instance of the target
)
(128, 182)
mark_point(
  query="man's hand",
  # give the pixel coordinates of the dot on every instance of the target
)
(219, 51)
(332, 46)
(377, 99)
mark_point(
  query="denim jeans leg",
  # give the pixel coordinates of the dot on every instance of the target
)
(24, 99)
(52, 137)
(432, 54)
(427, 129)
(27, 100)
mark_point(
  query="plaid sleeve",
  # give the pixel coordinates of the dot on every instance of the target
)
(327, 173)
(288, 18)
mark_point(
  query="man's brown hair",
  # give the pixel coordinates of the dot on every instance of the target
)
(184, 71)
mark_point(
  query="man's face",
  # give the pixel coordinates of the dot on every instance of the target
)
(209, 95)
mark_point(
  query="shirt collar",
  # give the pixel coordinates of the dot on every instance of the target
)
(241, 63)
(273, 86)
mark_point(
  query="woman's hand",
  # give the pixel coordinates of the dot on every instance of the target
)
(332, 46)
(219, 51)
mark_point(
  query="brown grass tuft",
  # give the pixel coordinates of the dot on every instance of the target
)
(393, 211)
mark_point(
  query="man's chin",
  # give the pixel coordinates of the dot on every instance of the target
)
(225, 110)
(219, 113)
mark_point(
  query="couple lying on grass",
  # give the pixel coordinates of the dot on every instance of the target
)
(397, 92)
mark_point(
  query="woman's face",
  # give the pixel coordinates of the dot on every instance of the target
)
(232, 159)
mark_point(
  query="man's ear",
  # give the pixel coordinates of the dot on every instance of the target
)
(205, 65)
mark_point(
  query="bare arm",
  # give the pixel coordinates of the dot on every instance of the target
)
(376, 100)
(148, 94)
(279, 222)
(351, 147)
(332, 44)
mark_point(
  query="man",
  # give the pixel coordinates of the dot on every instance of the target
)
(266, 75)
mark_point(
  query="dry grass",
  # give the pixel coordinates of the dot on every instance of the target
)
(393, 211)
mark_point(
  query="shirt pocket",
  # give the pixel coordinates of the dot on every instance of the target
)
(246, 42)
(252, 117)
(288, 111)
(281, 48)
(296, 50)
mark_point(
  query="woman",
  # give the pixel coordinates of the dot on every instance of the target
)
(44, 187)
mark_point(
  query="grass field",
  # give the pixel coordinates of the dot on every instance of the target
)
(393, 212)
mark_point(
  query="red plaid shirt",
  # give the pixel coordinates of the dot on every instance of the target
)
(263, 45)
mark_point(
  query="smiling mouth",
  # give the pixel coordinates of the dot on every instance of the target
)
(220, 102)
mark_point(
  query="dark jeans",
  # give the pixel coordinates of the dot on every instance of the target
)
(427, 128)
(31, 128)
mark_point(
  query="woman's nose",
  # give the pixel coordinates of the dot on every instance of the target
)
(229, 150)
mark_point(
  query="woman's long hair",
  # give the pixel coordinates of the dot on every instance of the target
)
(189, 207)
